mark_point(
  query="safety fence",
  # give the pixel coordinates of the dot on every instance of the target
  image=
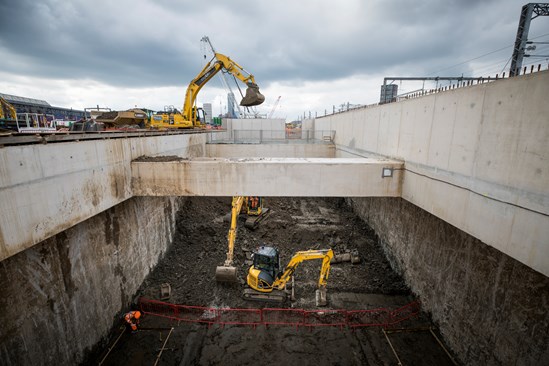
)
(352, 319)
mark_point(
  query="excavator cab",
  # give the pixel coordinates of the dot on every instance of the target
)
(265, 269)
(198, 116)
(253, 97)
(255, 205)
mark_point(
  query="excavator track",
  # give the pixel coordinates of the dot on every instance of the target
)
(275, 296)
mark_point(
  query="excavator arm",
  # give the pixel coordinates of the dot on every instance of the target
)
(227, 272)
(219, 61)
(326, 256)
(7, 111)
(8, 115)
(231, 237)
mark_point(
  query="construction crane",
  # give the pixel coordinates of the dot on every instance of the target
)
(274, 107)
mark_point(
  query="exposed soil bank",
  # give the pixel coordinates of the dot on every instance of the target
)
(60, 297)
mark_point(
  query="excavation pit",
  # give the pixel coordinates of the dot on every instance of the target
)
(215, 325)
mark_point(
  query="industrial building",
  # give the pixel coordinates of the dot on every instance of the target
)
(30, 105)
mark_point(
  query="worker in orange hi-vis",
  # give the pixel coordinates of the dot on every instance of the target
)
(132, 320)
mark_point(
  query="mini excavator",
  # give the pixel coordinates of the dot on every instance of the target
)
(267, 281)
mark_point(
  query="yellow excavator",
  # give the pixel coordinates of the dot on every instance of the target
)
(192, 116)
(8, 115)
(267, 281)
(253, 208)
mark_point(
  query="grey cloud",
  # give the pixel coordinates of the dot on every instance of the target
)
(132, 43)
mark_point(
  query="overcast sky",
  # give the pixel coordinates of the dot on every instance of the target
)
(312, 53)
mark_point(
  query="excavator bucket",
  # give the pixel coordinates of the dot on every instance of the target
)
(252, 97)
(225, 274)
(321, 297)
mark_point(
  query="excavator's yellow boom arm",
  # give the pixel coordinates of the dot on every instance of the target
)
(11, 112)
(238, 201)
(326, 255)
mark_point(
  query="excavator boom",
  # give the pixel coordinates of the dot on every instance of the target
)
(189, 118)
(326, 255)
(227, 272)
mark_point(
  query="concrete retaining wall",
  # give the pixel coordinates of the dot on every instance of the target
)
(267, 177)
(297, 150)
(251, 129)
(470, 233)
(477, 157)
(60, 297)
(45, 189)
(491, 309)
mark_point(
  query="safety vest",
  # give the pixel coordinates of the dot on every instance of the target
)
(129, 317)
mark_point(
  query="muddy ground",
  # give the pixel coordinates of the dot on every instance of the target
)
(294, 224)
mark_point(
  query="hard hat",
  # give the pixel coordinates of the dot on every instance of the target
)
(137, 315)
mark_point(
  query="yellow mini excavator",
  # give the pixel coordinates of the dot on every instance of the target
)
(267, 281)
(192, 116)
(252, 210)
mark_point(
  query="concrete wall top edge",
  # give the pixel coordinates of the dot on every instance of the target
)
(361, 160)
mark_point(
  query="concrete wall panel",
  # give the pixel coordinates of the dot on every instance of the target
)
(422, 123)
(269, 177)
(442, 130)
(271, 150)
(45, 189)
(467, 124)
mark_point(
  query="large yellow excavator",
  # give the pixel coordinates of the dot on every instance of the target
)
(254, 211)
(192, 116)
(267, 281)
(8, 115)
